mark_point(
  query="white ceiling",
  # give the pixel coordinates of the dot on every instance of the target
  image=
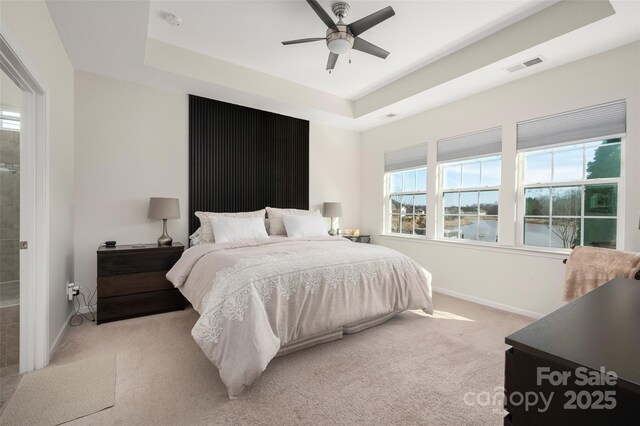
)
(249, 33)
(231, 50)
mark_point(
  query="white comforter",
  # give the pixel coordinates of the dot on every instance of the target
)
(255, 297)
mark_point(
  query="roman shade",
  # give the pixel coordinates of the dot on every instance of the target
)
(477, 144)
(587, 123)
(415, 156)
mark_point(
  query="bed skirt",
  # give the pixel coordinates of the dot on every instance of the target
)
(336, 334)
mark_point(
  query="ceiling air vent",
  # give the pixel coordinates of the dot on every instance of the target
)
(391, 115)
(526, 64)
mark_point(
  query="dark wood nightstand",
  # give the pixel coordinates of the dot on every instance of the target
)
(132, 282)
(359, 239)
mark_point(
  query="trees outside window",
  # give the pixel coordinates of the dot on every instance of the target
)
(571, 195)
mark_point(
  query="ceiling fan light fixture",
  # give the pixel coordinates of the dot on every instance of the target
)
(339, 46)
(342, 38)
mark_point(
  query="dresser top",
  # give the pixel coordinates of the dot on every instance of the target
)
(599, 329)
(139, 247)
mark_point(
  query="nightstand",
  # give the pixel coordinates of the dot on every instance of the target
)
(359, 239)
(132, 283)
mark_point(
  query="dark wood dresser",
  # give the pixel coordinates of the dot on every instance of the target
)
(561, 356)
(132, 282)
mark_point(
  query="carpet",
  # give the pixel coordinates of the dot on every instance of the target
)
(58, 394)
(414, 369)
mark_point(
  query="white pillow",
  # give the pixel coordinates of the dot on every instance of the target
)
(305, 226)
(276, 226)
(205, 223)
(229, 229)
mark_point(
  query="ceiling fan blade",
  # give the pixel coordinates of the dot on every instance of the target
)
(371, 49)
(322, 14)
(362, 25)
(331, 62)
(303, 40)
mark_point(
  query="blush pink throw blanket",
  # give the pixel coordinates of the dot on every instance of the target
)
(590, 267)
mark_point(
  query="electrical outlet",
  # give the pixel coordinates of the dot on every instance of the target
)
(71, 290)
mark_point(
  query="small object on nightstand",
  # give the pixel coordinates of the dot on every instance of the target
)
(132, 281)
(110, 243)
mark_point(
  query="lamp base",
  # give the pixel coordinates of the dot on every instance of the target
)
(165, 239)
(332, 231)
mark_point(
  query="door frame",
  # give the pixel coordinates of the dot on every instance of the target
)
(34, 206)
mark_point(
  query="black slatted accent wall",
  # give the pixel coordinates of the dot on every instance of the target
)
(244, 159)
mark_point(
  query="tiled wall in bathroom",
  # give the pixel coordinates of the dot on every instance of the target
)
(9, 336)
(9, 208)
(9, 254)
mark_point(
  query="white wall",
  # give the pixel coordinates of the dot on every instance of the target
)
(132, 143)
(334, 171)
(36, 40)
(523, 280)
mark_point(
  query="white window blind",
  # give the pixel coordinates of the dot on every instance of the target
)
(415, 156)
(587, 123)
(478, 144)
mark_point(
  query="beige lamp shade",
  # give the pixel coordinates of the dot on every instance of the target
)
(332, 210)
(164, 208)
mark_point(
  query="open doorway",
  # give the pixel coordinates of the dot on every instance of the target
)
(24, 213)
(10, 100)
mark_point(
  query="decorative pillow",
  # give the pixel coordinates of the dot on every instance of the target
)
(229, 229)
(305, 226)
(276, 226)
(205, 223)
(196, 238)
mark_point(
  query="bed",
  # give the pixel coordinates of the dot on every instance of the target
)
(261, 299)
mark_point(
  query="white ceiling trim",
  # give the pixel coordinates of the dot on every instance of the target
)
(110, 38)
(552, 22)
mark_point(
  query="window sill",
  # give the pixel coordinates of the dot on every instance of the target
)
(523, 251)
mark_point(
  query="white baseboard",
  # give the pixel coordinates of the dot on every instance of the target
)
(64, 330)
(489, 303)
(60, 335)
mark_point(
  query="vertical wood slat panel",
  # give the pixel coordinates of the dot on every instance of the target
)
(244, 159)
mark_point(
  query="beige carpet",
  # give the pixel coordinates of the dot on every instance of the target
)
(56, 395)
(413, 369)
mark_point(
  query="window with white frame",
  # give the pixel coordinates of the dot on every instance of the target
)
(570, 177)
(469, 169)
(407, 201)
(571, 195)
(406, 191)
(470, 193)
(9, 119)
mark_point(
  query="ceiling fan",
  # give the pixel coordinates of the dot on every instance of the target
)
(341, 37)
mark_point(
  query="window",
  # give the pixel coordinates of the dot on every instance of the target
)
(470, 174)
(9, 120)
(571, 194)
(407, 201)
(470, 193)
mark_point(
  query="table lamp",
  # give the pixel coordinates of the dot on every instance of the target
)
(164, 208)
(332, 210)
